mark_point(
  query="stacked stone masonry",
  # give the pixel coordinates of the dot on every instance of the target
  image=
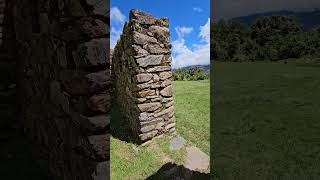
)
(64, 83)
(142, 70)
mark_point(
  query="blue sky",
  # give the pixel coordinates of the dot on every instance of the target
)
(189, 26)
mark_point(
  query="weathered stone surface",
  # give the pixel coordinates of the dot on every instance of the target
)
(143, 86)
(143, 116)
(139, 51)
(141, 100)
(149, 107)
(100, 103)
(142, 62)
(142, 39)
(151, 121)
(93, 27)
(166, 111)
(142, 17)
(169, 104)
(177, 143)
(167, 92)
(148, 135)
(165, 83)
(63, 47)
(83, 28)
(196, 159)
(100, 144)
(159, 30)
(150, 60)
(99, 122)
(169, 126)
(144, 77)
(147, 128)
(159, 69)
(156, 49)
(99, 81)
(77, 86)
(156, 78)
(165, 75)
(156, 99)
(92, 53)
(145, 93)
(167, 99)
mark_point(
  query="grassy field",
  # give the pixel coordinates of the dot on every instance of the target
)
(191, 101)
(266, 121)
(192, 108)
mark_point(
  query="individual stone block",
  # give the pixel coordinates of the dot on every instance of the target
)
(144, 77)
(149, 107)
(159, 69)
(145, 93)
(150, 60)
(142, 39)
(148, 135)
(167, 92)
(165, 83)
(165, 75)
(99, 123)
(90, 83)
(100, 103)
(93, 53)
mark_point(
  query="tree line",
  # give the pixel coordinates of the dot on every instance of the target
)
(268, 38)
(193, 74)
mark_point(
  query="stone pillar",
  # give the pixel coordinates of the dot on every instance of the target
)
(142, 67)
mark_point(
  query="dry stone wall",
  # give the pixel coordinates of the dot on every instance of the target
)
(64, 84)
(142, 68)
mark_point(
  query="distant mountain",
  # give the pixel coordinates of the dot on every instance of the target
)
(206, 68)
(309, 19)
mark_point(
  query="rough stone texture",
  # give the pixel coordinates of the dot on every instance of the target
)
(64, 80)
(177, 143)
(196, 159)
(142, 67)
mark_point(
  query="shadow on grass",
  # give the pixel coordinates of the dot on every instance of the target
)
(173, 171)
(120, 127)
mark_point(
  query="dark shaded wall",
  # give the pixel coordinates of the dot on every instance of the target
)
(63, 80)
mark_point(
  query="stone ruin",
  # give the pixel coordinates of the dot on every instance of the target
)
(142, 68)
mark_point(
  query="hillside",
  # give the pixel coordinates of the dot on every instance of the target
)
(309, 19)
(206, 68)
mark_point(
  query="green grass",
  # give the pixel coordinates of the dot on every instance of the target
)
(191, 102)
(266, 121)
(130, 162)
(192, 111)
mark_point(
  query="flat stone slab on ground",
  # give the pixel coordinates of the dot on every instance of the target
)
(196, 159)
(177, 143)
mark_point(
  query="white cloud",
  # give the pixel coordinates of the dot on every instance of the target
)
(182, 31)
(116, 15)
(117, 20)
(197, 9)
(199, 54)
(205, 31)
